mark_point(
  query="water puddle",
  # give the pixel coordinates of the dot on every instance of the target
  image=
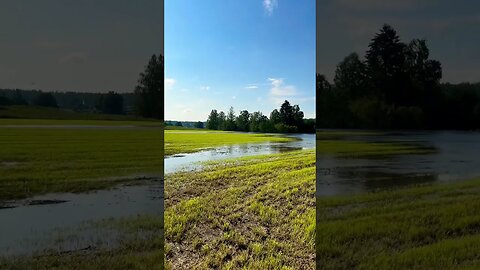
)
(455, 158)
(192, 161)
(53, 221)
(62, 222)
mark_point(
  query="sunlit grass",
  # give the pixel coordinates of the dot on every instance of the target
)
(41, 160)
(432, 226)
(424, 227)
(187, 141)
(251, 213)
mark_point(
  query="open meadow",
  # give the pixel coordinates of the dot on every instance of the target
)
(432, 224)
(253, 212)
(264, 199)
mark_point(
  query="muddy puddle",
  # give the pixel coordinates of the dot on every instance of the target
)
(456, 158)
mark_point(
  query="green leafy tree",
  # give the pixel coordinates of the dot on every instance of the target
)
(386, 59)
(45, 100)
(150, 89)
(230, 120)
(287, 114)
(212, 121)
(275, 117)
(351, 76)
(222, 119)
(199, 124)
(111, 103)
(243, 120)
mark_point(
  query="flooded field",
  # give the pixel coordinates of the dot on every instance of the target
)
(192, 161)
(68, 187)
(454, 157)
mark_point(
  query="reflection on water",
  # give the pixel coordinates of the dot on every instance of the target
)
(59, 222)
(191, 161)
(32, 225)
(455, 158)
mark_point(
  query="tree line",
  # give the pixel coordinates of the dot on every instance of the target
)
(395, 86)
(146, 99)
(288, 119)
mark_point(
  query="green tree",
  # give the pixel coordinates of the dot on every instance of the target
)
(230, 121)
(385, 58)
(199, 124)
(222, 119)
(150, 89)
(45, 100)
(287, 114)
(243, 120)
(18, 98)
(275, 117)
(350, 76)
(111, 103)
(212, 121)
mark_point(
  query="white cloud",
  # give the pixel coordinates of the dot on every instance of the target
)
(251, 86)
(234, 97)
(205, 88)
(280, 92)
(269, 5)
(169, 82)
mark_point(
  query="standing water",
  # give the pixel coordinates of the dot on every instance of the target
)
(62, 222)
(455, 158)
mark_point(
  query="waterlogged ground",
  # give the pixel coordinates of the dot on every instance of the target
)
(188, 141)
(86, 194)
(254, 212)
(398, 201)
(269, 144)
(72, 192)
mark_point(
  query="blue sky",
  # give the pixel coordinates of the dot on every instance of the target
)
(71, 45)
(249, 54)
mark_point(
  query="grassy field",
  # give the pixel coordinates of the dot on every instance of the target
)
(248, 213)
(41, 156)
(187, 141)
(434, 226)
(142, 249)
(272, 225)
(423, 227)
(65, 159)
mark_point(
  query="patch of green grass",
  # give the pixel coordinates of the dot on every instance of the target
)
(141, 247)
(433, 226)
(177, 141)
(41, 160)
(337, 134)
(359, 148)
(255, 212)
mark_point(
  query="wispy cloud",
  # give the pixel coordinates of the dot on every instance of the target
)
(205, 88)
(279, 92)
(269, 6)
(169, 82)
(251, 86)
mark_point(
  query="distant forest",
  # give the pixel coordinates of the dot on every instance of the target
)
(395, 86)
(145, 100)
(288, 119)
(84, 102)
